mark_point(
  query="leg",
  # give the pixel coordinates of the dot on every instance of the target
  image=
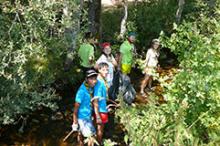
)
(144, 83)
(152, 72)
(150, 82)
(87, 130)
(80, 139)
(100, 129)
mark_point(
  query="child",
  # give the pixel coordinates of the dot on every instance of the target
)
(109, 59)
(151, 63)
(82, 114)
(86, 53)
(127, 50)
(100, 96)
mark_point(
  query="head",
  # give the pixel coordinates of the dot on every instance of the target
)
(106, 48)
(155, 44)
(131, 37)
(91, 77)
(88, 37)
(117, 56)
(103, 69)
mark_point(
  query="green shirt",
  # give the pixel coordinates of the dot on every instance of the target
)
(126, 49)
(86, 51)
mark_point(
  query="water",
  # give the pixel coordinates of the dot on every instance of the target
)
(47, 128)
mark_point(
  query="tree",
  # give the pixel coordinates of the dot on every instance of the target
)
(94, 12)
(33, 44)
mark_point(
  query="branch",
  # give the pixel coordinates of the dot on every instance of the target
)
(179, 10)
(123, 22)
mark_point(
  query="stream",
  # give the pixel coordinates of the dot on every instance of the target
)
(47, 128)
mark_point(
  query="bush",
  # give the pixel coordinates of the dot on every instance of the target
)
(191, 115)
(34, 43)
(146, 18)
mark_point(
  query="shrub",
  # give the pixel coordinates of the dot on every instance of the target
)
(34, 44)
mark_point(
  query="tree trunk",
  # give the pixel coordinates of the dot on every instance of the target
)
(94, 14)
(179, 10)
(123, 22)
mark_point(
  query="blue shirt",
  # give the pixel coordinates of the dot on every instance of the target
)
(103, 58)
(83, 97)
(100, 92)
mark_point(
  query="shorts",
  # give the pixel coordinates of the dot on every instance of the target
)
(86, 127)
(151, 71)
(104, 117)
(125, 68)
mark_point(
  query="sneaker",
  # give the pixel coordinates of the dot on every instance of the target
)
(152, 89)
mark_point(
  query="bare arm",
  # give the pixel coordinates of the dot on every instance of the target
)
(96, 109)
(119, 63)
(75, 112)
(96, 66)
(114, 62)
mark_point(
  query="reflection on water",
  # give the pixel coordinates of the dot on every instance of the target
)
(43, 130)
(40, 130)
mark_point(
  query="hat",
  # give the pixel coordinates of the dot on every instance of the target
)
(131, 34)
(90, 73)
(105, 44)
(155, 41)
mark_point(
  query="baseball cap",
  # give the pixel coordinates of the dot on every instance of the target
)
(90, 73)
(131, 34)
(156, 41)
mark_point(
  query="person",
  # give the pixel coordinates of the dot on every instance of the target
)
(86, 53)
(151, 63)
(126, 53)
(108, 58)
(82, 115)
(100, 96)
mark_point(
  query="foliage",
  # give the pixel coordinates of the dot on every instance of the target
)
(191, 114)
(154, 125)
(197, 45)
(108, 142)
(146, 18)
(34, 42)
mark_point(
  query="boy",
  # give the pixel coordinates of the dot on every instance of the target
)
(100, 96)
(86, 53)
(82, 114)
(127, 49)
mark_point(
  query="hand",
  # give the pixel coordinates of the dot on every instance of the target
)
(75, 127)
(98, 120)
(91, 60)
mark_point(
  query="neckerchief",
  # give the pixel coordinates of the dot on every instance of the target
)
(90, 90)
(105, 82)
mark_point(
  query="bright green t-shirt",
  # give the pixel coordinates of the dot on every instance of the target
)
(126, 50)
(85, 52)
